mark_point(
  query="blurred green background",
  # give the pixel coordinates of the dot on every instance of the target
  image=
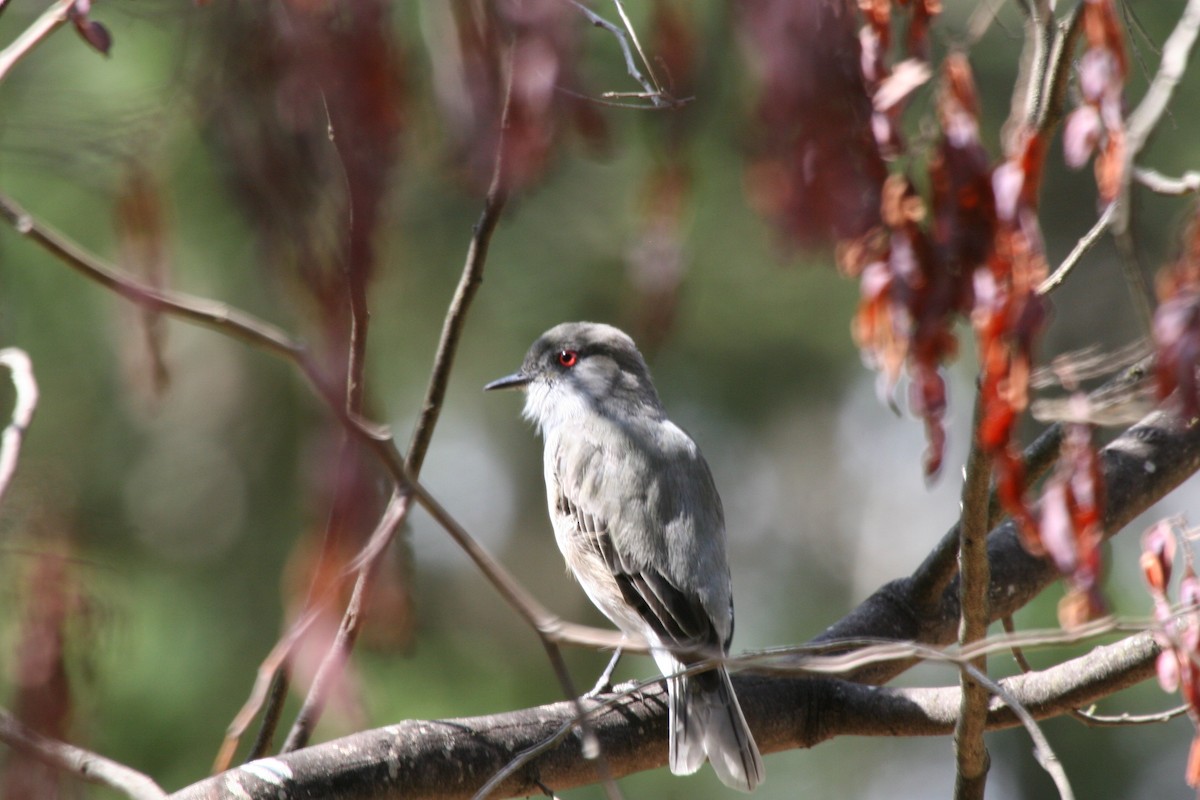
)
(183, 508)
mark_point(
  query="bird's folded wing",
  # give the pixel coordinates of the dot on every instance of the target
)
(675, 616)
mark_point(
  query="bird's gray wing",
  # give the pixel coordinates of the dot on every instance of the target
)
(676, 616)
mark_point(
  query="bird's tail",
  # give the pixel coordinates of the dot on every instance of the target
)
(706, 721)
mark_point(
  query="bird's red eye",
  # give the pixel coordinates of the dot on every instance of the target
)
(568, 358)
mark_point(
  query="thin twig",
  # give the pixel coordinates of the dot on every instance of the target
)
(81, 763)
(970, 752)
(1045, 753)
(210, 314)
(468, 284)
(50, 20)
(25, 386)
(653, 91)
(1089, 718)
(330, 670)
(1187, 183)
(1081, 247)
(1145, 118)
(264, 681)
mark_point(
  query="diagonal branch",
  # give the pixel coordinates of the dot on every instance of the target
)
(81, 763)
(51, 20)
(1140, 467)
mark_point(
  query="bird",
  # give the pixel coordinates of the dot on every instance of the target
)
(640, 524)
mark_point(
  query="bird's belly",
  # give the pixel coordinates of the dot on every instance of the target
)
(598, 583)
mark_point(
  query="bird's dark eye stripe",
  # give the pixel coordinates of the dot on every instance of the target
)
(568, 358)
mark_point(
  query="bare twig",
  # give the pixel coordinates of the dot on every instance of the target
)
(81, 763)
(334, 662)
(263, 683)
(1081, 247)
(1045, 754)
(50, 20)
(464, 293)
(1145, 118)
(653, 91)
(18, 364)
(1089, 718)
(1175, 53)
(1187, 183)
(210, 314)
(970, 752)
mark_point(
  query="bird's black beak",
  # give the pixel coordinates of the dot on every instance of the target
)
(518, 380)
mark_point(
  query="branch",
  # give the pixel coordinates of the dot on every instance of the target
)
(26, 389)
(1140, 467)
(51, 20)
(452, 758)
(1145, 118)
(970, 752)
(332, 664)
(81, 763)
(1081, 247)
(1187, 183)
(217, 316)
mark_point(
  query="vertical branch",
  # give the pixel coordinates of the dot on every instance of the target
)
(975, 578)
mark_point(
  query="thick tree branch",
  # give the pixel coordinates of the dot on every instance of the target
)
(452, 758)
(1140, 467)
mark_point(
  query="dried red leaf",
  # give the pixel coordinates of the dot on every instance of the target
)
(89, 30)
(1193, 763)
(1158, 555)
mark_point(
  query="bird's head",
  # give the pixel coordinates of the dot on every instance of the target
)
(579, 368)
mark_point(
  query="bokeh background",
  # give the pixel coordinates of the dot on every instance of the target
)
(186, 497)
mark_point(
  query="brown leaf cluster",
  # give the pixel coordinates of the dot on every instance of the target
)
(816, 171)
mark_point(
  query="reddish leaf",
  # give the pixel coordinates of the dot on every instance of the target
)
(1158, 555)
(1193, 764)
(92, 32)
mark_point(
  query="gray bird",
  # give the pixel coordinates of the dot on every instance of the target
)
(638, 519)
